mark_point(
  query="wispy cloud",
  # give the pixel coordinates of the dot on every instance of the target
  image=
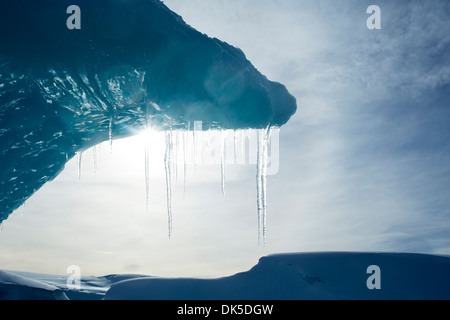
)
(364, 164)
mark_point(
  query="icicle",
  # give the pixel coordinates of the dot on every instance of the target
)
(79, 158)
(194, 139)
(267, 133)
(168, 169)
(147, 156)
(175, 155)
(206, 137)
(222, 161)
(261, 182)
(147, 173)
(110, 134)
(184, 162)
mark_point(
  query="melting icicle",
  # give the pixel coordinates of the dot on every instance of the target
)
(79, 158)
(173, 142)
(194, 139)
(168, 169)
(147, 173)
(184, 162)
(267, 133)
(147, 157)
(261, 182)
(110, 134)
(175, 155)
(222, 161)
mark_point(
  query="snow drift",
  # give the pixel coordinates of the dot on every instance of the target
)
(295, 276)
(132, 64)
(340, 275)
(17, 287)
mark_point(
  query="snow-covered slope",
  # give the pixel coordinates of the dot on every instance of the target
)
(341, 275)
(317, 276)
(17, 287)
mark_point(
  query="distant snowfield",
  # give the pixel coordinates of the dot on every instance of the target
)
(293, 276)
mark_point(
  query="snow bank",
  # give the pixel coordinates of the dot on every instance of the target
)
(17, 287)
(295, 276)
(307, 276)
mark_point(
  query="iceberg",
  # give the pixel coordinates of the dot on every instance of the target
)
(283, 276)
(17, 287)
(131, 65)
(309, 276)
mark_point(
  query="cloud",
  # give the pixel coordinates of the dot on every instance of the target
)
(364, 163)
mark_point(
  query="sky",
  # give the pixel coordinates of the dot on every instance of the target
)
(364, 164)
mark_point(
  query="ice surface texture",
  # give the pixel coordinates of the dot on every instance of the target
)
(132, 64)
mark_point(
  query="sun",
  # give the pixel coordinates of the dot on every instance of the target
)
(149, 139)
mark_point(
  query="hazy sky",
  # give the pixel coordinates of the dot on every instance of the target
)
(364, 164)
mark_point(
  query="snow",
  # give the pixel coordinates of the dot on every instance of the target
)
(16, 287)
(291, 276)
(339, 275)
